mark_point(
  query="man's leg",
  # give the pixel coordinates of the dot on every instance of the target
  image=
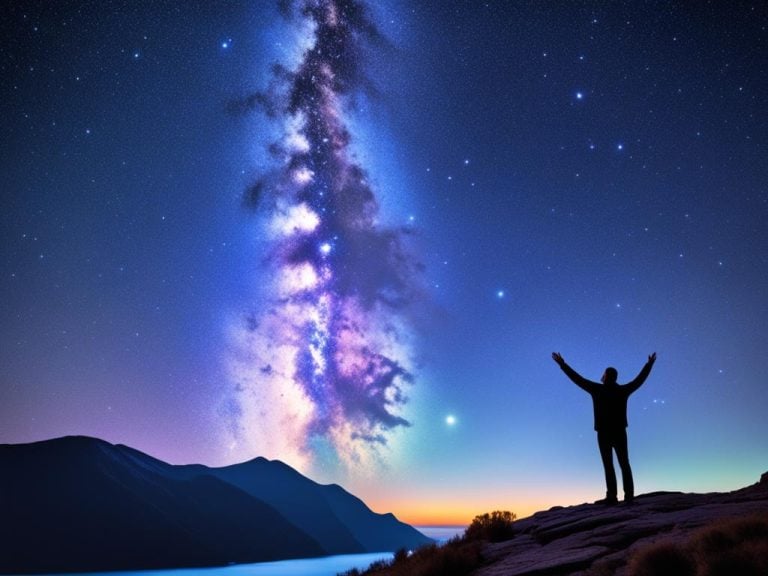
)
(604, 442)
(622, 455)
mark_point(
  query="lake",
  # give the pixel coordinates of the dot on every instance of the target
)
(441, 533)
(326, 566)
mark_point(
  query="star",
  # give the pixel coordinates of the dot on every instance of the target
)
(450, 420)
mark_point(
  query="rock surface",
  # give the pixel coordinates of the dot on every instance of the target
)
(599, 539)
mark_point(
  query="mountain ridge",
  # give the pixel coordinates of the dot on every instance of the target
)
(78, 503)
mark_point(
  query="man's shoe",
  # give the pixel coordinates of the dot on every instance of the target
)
(608, 501)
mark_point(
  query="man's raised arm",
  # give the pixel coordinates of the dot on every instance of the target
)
(575, 377)
(640, 378)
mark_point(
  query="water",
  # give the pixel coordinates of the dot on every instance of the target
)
(441, 533)
(326, 566)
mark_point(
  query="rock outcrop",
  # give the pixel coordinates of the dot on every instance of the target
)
(593, 539)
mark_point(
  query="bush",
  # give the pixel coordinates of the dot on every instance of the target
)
(724, 548)
(459, 556)
(456, 559)
(662, 559)
(735, 546)
(494, 527)
(401, 556)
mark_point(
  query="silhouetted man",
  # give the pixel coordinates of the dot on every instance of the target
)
(609, 400)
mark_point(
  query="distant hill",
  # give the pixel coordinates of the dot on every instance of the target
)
(82, 504)
(339, 521)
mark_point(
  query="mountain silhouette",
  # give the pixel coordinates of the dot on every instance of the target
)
(81, 504)
(302, 502)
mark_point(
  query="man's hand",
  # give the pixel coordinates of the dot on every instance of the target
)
(559, 359)
(652, 358)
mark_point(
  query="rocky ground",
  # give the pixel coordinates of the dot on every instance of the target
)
(592, 539)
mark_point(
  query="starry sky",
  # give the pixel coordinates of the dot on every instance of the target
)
(350, 237)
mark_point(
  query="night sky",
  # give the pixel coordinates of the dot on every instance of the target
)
(350, 237)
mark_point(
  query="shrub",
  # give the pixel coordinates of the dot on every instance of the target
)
(662, 559)
(455, 558)
(494, 527)
(724, 548)
(401, 556)
(459, 556)
(734, 546)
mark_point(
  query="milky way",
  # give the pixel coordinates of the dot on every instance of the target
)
(323, 367)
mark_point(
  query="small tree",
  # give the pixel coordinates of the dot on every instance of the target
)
(494, 527)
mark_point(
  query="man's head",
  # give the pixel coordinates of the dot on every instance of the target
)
(609, 376)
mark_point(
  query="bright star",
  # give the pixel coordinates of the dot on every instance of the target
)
(500, 294)
(450, 420)
(579, 95)
(325, 248)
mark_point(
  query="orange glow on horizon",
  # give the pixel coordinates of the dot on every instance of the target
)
(461, 512)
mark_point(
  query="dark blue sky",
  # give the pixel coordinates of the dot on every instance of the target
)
(581, 177)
